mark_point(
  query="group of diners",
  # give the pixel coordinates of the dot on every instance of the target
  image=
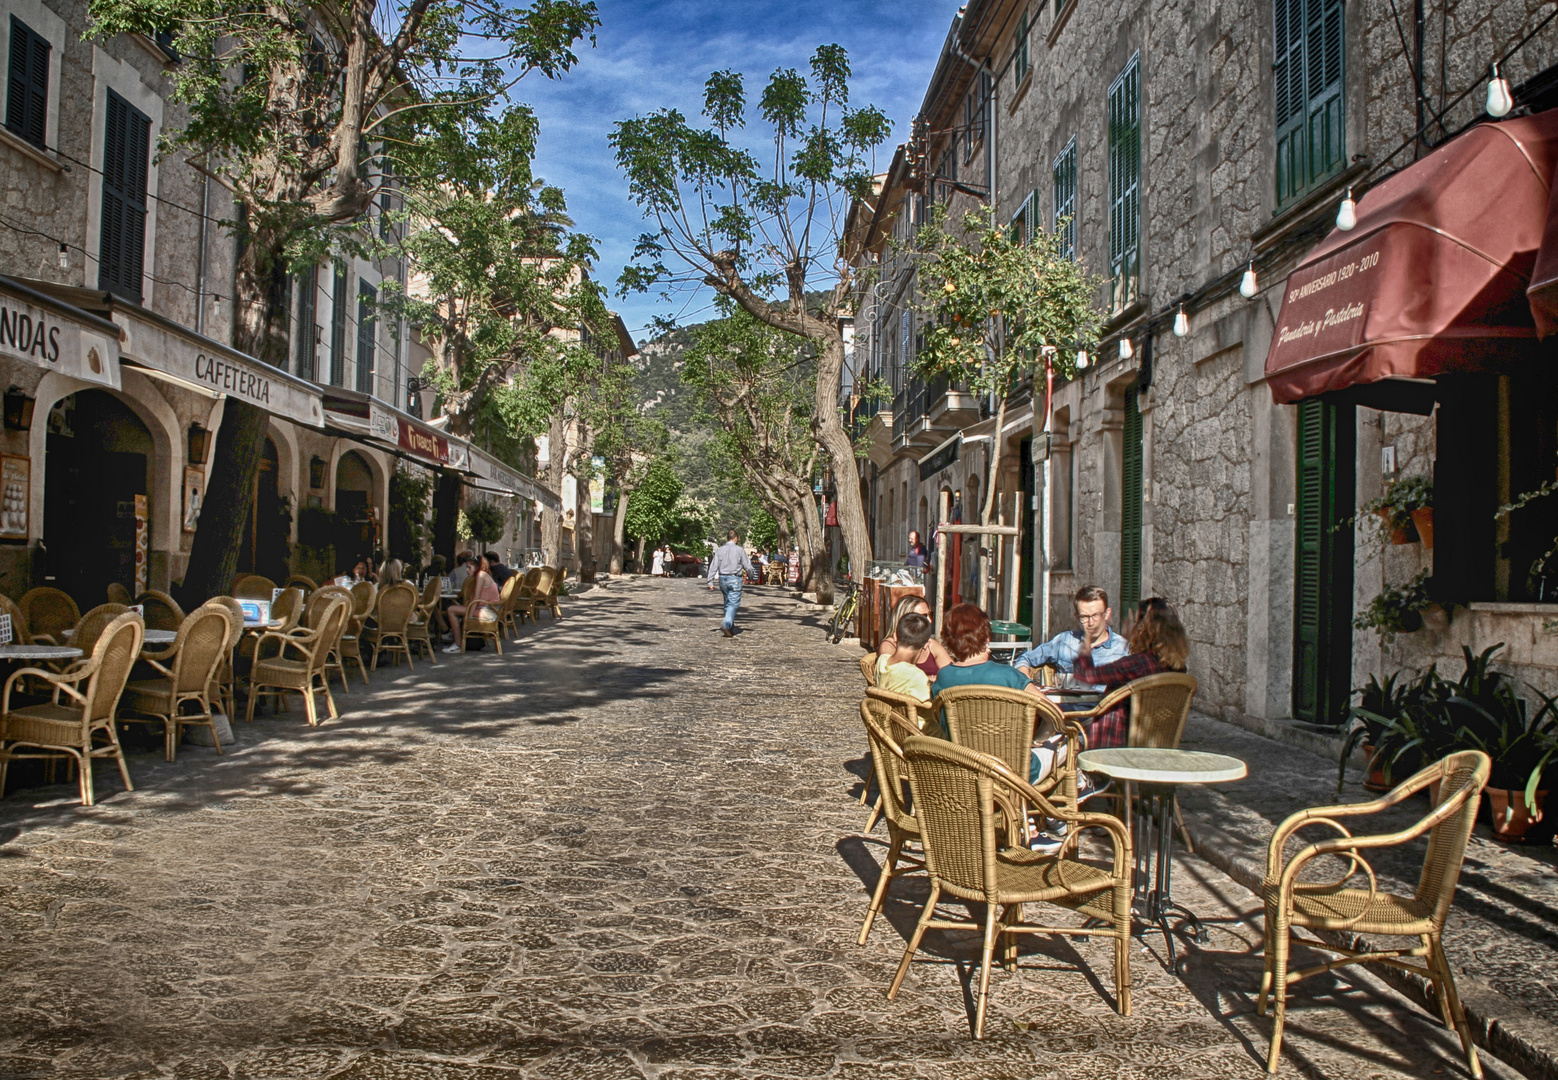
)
(912, 662)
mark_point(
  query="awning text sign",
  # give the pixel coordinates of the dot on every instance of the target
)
(1324, 312)
(415, 439)
(44, 339)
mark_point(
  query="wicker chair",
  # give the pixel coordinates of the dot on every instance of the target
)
(560, 576)
(187, 678)
(868, 668)
(19, 632)
(90, 689)
(117, 594)
(254, 587)
(482, 620)
(392, 616)
(226, 671)
(364, 593)
(91, 627)
(1004, 723)
(528, 596)
(913, 714)
(1322, 906)
(160, 610)
(885, 727)
(419, 629)
(302, 581)
(1158, 708)
(49, 613)
(317, 602)
(963, 801)
(301, 666)
(287, 609)
(508, 599)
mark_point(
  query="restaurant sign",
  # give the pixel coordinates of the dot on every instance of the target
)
(198, 361)
(38, 336)
(417, 440)
(1324, 311)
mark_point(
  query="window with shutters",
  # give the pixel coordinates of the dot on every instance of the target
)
(1131, 503)
(1025, 222)
(1307, 81)
(1020, 50)
(367, 298)
(976, 116)
(338, 311)
(1125, 186)
(27, 95)
(1064, 220)
(306, 341)
(122, 247)
(1323, 560)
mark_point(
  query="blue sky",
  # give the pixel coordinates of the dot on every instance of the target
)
(653, 54)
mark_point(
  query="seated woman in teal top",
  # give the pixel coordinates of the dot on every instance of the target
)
(966, 635)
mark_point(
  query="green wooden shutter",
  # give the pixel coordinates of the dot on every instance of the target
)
(1307, 83)
(27, 95)
(308, 286)
(1065, 198)
(338, 328)
(1322, 573)
(122, 241)
(367, 298)
(1131, 505)
(1125, 184)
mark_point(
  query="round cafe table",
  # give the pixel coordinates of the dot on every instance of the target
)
(14, 651)
(1158, 774)
(160, 637)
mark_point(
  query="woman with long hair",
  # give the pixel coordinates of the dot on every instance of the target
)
(934, 660)
(1158, 643)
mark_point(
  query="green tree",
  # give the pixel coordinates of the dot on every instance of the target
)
(653, 515)
(1001, 312)
(291, 106)
(760, 234)
(753, 380)
(410, 492)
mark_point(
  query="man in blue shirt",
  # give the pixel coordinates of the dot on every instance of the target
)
(730, 566)
(1094, 613)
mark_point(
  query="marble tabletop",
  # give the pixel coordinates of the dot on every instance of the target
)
(1162, 766)
(161, 637)
(39, 652)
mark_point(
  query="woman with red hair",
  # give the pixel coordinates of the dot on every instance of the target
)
(966, 635)
(1158, 643)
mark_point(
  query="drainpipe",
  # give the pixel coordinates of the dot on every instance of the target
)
(200, 271)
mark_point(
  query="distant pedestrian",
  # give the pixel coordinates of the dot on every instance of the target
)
(657, 566)
(730, 566)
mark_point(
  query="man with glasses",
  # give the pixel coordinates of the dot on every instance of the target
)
(1094, 615)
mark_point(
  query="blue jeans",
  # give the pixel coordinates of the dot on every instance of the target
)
(730, 585)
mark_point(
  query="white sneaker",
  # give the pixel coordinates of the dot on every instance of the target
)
(452, 649)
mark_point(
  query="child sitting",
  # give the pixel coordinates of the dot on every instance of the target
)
(898, 670)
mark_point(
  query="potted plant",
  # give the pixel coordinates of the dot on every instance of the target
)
(1398, 609)
(1378, 705)
(1401, 506)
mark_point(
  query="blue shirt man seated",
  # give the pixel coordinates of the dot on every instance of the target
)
(1094, 613)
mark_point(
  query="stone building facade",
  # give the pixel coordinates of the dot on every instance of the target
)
(122, 254)
(1162, 136)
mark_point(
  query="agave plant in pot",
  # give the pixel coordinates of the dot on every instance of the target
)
(1379, 704)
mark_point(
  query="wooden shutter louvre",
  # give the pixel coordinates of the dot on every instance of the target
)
(1131, 504)
(367, 296)
(126, 160)
(27, 96)
(338, 328)
(1065, 192)
(1323, 558)
(1307, 82)
(308, 287)
(1124, 184)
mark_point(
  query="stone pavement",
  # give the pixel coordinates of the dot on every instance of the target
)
(1502, 936)
(627, 849)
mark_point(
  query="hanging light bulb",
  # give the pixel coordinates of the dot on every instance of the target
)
(64, 257)
(1125, 349)
(1181, 322)
(1347, 216)
(1500, 100)
(1248, 287)
(1082, 360)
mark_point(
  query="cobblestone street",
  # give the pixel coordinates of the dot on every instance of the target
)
(627, 848)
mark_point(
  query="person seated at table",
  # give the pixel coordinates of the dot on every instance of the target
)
(393, 573)
(899, 671)
(486, 592)
(495, 567)
(1157, 643)
(362, 570)
(462, 570)
(936, 656)
(966, 635)
(437, 566)
(1091, 605)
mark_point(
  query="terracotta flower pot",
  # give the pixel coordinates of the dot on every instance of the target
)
(1423, 522)
(1511, 816)
(1375, 781)
(1398, 536)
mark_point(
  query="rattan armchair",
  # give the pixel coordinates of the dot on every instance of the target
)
(254, 587)
(302, 581)
(1005, 723)
(314, 612)
(913, 713)
(189, 670)
(19, 632)
(287, 609)
(1292, 902)
(300, 668)
(885, 729)
(160, 610)
(527, 596)
(49, 613)
(508, 611)
(117, 594)
(92, 625)
(364, 593)
(1158, 706)
(482, 620)
(82, 706)
(419, 629)
(868, 667)
(226, 671)
(396, 605)
(559, 576)
(966, 803)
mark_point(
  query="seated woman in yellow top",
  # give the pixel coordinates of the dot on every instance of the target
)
(899, 671)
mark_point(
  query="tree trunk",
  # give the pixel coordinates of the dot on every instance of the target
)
(638, 559)
(261, 332)
(619, 529)
(552, 522)
(841, 453)
(446, 515)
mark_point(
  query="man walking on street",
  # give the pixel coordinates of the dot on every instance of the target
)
(730, 566)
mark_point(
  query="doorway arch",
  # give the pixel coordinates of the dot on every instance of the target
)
(263, 549)
(354, 502)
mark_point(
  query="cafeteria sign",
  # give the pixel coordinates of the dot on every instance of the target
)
(39, 337)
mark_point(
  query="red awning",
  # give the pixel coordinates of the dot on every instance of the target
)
(1433, 278)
